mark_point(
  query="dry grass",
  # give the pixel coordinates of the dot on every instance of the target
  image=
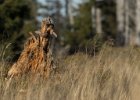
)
(114, 74)
(36, 57)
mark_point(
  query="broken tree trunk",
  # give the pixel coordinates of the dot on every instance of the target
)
(36, 57)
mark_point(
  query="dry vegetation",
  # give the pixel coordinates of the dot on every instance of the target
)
(36, 58)
(114, 74)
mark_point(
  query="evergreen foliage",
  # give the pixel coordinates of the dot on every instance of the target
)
(84, 36)
(14, 19)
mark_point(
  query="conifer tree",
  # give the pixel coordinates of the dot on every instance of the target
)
(15, 16)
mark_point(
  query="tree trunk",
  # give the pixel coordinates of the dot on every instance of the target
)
(98, 22)
(138, 22)
(93, 18)
(127, 23)
(70, 8)
(120, 21)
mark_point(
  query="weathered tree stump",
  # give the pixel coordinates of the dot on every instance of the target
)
(36, 58)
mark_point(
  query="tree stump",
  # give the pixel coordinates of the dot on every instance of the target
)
(36, 58)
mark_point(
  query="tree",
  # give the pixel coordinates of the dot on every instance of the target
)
(92, 17)
(120, 21)
(128, 27)
(138, 22)
(69, 11)
(82, 28)
(14, 15)
(52, 8)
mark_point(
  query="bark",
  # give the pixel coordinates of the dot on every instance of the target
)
(120, 22)
(98, 21)
(126, 23)
(93, 16)
(69, 9)
(138, 22)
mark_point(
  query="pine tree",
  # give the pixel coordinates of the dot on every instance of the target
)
(15, 14)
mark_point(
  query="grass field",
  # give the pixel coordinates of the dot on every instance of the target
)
(113, 74)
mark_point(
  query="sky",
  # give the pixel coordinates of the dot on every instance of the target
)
(75, 1)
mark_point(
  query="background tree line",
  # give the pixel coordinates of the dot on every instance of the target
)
(81, 27)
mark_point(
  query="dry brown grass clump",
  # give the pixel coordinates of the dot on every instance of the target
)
(114, 74)
(36, 57)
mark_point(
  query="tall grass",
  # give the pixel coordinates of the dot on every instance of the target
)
(113, 74)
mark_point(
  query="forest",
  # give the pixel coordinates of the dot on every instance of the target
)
(94, 52)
